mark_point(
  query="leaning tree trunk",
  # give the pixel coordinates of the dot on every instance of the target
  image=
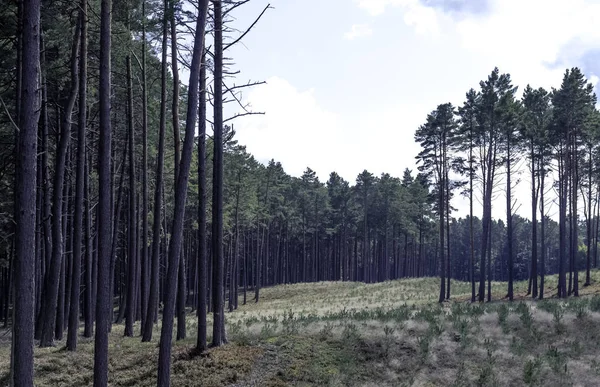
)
(177, 146)
(164, 355)
(153, 295)
(51, 284)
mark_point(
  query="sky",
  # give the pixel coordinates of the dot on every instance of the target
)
(349, 81)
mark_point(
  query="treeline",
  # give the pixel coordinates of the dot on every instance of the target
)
(117, 205)
(478, 150)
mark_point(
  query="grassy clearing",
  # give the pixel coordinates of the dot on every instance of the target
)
(387, 334)
(133, 363)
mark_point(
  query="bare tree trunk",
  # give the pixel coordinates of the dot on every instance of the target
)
(471, 234)
(542, 175)
(45, 186)
(153, 296)
(24, 268)
(145, 285)
(597, 228)
(574, 216)
(132, 227)
(177, 146)
(89, 279)
(509, 225)
(217, 203)
(202, 257)
(164, 357)
(589, 222)
(562, 290)
(51, 285)
(104, 298)
(79, 184)
(118, 213)
(442, 222)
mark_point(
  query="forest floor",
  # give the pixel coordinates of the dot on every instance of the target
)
(387, 334)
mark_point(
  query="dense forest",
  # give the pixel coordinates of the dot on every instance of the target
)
(125, 196)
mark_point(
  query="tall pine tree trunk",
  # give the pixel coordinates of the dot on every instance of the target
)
(202, 258)
(145, 263)
(153, 296)
(132, 227)
(562, 203)
(542, 175)
(104, 300)
(534, 239)
(509, 225)
(51, 285)
(574, 214)
(89, 264)
(589, 221)
(164, 356)
(217, 202)
(24, 267)
(79, 184)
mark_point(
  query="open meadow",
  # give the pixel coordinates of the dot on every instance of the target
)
(386, 334)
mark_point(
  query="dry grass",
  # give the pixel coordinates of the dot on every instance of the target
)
(133, 363)
(386, 334)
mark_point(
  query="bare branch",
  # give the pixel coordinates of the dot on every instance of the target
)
(9, 116)
(249, 28)
(249, 84)
(242, 115)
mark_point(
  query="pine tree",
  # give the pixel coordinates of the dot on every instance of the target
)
(104, 298)
(436, 137)
(24, 268)
(535, 124)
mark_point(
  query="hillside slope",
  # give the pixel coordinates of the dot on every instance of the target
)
(392, 333)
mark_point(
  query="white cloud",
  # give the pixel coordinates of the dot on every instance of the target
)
(300, 133)
(377, 7)
(358, 30)
(525, 37)
(521, 37)
(295, 129)
(422, 18)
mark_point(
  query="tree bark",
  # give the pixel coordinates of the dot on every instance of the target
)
(217, 203)
(202, 258)
(164, 357)
(509, 225)
(24, 267)
(79, 184)
(145, 285)
(104, 301)
(132, 228)
(51, 285)
(153, 296)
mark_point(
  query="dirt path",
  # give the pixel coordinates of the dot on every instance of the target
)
(264, 369)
